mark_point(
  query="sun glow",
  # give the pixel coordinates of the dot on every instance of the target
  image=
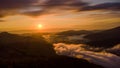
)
(40, 26)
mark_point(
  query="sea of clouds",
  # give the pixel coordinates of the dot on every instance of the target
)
(107, 58)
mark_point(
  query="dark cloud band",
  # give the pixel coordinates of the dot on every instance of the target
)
(12, 7)
(105, 6)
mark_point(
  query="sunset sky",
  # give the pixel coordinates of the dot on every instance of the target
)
(57, 15)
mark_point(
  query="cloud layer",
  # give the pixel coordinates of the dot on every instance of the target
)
(103, 58)
(104, 6)
(10, 7)
(38, 7)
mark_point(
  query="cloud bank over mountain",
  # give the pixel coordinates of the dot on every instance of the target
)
(106, 59)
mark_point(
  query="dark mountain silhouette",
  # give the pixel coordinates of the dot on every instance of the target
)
(22, 46)
(73, 32)
(34, 52)
(107, 38)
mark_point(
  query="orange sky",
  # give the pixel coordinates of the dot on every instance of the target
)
(62, 20)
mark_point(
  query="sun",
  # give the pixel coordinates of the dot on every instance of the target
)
(40, 26)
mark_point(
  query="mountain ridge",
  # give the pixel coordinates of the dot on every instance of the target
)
(107, 38)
